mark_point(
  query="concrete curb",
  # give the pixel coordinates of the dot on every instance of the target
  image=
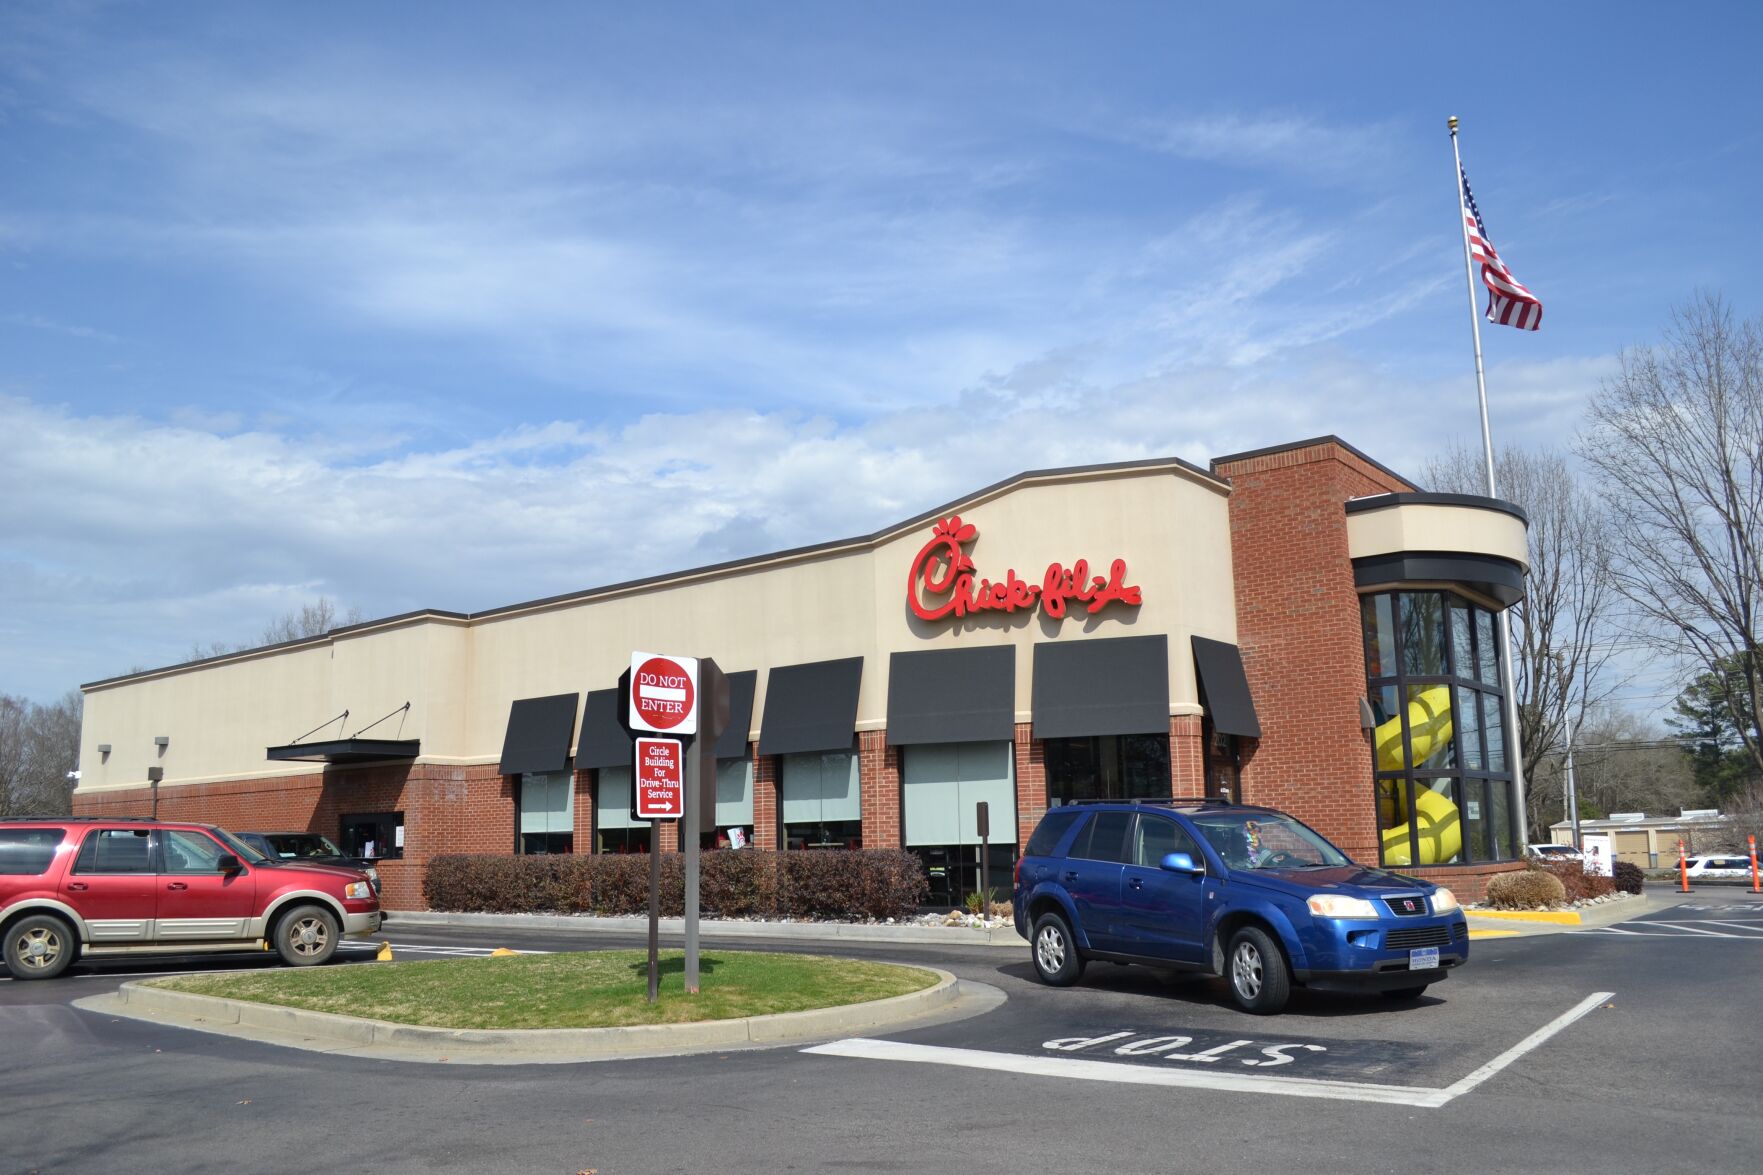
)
(953, 936)
(1558, 917)
(382, 1038)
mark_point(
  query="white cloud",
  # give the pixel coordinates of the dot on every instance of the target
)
(135, 540)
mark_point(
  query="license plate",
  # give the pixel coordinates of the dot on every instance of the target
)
(1424, 959)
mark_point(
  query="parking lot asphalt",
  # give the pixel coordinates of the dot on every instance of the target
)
(1130, 1070)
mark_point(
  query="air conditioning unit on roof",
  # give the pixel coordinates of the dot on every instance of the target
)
(1699, 814)
(1628, 817)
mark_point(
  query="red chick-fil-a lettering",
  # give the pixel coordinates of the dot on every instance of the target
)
(941, 581)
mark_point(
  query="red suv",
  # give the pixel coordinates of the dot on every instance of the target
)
(72, 886)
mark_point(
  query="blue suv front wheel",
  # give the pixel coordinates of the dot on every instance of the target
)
(1260, 981)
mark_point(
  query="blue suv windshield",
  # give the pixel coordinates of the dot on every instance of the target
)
(1265, 840)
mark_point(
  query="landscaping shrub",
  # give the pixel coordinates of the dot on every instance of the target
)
(1531, 889)
(1578, 884)
(1629, 877)
(868, 884)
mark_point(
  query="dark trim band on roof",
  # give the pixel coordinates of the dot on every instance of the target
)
(732, 742)
(1224, 688)
(604, 742)
(952, 696)
(539, 732)
(811, 707)
(1473, 501)
(1115, 685)
(1498, 579)
(348, 750)
(1329, 439)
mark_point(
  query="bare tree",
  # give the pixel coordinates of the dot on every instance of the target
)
(314, 619)
(1676, 443)
(1562, 656)
(39, 746)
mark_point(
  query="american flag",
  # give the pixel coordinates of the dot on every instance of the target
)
(1508, 301)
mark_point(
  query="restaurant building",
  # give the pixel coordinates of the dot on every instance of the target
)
(1297, 626)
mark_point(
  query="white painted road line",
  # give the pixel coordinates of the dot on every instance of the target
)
(1074, 1068)
(1676, 931)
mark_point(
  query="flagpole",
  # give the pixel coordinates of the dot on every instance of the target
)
(1514, 748)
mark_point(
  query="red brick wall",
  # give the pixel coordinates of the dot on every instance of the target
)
(1187, 759)
(1031, 784)
(878, 788)
(765, 805)
(1299, 629)
(446, 810)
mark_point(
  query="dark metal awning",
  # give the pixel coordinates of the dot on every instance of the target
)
(732, 742)
(1498, 579)
(348, 750)
(604, 743)
(1224, 689)
(1115, 685)
(811, 707)
(538, 737)
(952, 696)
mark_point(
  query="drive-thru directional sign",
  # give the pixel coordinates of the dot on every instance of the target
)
(664, 693)
(660, 779)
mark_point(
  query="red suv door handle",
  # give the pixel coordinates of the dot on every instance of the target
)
(76, 885)
(177, 885)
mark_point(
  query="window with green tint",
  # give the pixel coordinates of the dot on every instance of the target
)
(1423, 634)
(1380, 632)
(1469, 728)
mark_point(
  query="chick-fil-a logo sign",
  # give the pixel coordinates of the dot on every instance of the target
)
(941, 582)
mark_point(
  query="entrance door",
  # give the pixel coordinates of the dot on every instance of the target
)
(197, 902)
(111, 885)
(1162, 914)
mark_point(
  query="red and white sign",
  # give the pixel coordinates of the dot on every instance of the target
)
(664, 693)
(942, 582)
(661, 779)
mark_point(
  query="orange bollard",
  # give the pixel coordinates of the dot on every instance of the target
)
(1753, 841)
(1683, 867)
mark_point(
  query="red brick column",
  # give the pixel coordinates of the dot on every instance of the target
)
(1187, 757)
(1302, 640)
(1031, 784)
(878, 789)
(765, 800)
(584, 810)
(670, 842)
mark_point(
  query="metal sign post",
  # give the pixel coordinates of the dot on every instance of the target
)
(700, 809)
(984, 815)
(654, 910)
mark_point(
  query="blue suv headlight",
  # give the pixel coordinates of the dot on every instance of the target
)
(1325, 905)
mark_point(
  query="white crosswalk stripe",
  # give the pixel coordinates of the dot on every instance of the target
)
(1690, 928)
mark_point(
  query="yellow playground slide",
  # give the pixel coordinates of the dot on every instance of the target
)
(1441, 826)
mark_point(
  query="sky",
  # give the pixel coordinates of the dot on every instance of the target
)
(451, 305)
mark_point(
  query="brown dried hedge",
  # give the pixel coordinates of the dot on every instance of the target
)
(1629, 877)
(1578, 884)
(861, 885)
(1531, 889)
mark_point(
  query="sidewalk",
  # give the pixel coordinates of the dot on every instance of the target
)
(948, 936)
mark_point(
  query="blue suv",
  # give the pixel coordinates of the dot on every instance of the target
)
(1244, 892)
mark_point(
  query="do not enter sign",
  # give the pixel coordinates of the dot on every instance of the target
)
(660, 779)
(664, 693)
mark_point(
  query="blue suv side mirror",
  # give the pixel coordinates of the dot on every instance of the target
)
(1181, 863)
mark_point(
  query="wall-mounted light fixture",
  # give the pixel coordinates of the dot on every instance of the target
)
(103, 748)
(162, 740)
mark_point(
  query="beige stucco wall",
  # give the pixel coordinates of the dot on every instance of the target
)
(1170, 525)
(1424, 527)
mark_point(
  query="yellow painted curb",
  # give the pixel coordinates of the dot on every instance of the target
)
(1492, 933)
(1560, 917)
